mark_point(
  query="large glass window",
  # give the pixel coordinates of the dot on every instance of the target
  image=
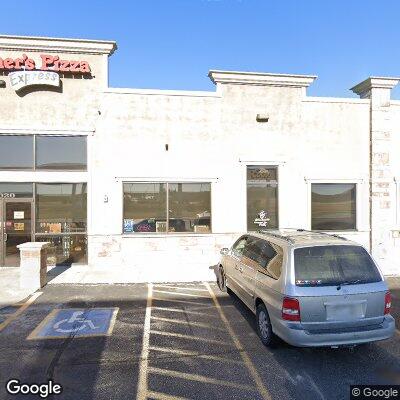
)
(10, 190)
(16, 152)
(65, 249)
(61, 219)
(262, 197)
(167, 207)
(189, 207)
(145, 207)
(27, 152)
(61, 152)
(60, 207)
(333, 206)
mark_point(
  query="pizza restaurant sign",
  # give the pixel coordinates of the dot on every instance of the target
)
(25, 71)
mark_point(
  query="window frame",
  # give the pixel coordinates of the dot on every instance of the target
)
(34, 137)
(357, 182)
(267, 165)
(166, 182)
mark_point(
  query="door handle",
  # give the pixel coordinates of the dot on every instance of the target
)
(5, 237)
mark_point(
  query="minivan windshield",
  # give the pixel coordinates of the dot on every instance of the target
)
(334, 265)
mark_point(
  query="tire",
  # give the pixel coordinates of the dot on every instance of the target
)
(221, 281)
(264, 327)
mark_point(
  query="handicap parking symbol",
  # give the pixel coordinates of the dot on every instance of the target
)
(73, 322)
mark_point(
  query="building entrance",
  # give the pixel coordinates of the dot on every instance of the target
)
(16, 228)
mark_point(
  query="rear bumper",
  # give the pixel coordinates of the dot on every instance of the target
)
(293, 334)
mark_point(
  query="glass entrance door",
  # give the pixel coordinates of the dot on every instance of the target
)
(16, 221)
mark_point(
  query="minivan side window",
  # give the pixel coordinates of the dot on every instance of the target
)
(237, 248)
(267, 255)
(274, 260)
(253, 248)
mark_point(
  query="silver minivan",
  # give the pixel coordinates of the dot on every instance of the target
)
(308, 288)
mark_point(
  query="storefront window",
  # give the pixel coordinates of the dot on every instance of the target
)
(61, 207)
(61, 152)
(189, 207)
(146, 205)
(333, 206)
(16, 152)
(65, 249)
(49, 152)
(262, 197)
(16, 190)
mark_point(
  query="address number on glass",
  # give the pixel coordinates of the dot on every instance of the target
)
(7, 195)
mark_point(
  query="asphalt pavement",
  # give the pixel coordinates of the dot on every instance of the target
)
(171, 341)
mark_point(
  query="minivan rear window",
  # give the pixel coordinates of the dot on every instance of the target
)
(334, 265)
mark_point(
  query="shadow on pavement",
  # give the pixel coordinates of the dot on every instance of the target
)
(326, 373)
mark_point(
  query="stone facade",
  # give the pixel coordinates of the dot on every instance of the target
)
(212, 137)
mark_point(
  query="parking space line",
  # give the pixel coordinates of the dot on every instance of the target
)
(181, 294)
(199, 378)
(184, 311)
(162, 396)
(181, 288)
(184, 322)
(181, 301)
(144, 359)
(212, 306)
(20, 310)
(245, 357)
(180, 283)
(189, 337)
(195, 354)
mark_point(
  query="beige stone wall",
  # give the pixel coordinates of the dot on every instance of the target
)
(213, 136)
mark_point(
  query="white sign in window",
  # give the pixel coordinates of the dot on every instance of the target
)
(19, 215)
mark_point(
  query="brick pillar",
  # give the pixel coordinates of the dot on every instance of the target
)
(382, 188)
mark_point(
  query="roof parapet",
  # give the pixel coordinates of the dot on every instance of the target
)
(34, 43)
(261, 79)
(363, 89)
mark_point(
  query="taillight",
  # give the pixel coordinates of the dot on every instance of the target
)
(388, 303)
(290, 309)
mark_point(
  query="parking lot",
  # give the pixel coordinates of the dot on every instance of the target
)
(171, 341)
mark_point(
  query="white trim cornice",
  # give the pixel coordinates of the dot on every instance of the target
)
(260, 78)
(162, 92)
(374, 82)
(34, 43)
(6, 130)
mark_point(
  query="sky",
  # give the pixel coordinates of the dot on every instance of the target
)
(172, 44)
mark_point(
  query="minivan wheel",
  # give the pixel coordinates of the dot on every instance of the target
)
(221, 279)
(264, 327)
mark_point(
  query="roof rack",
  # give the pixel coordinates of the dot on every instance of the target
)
(276, 235)
(323, 233)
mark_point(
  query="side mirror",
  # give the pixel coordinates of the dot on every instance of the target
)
(224, 251)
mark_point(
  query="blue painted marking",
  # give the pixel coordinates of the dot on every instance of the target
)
(77, 322)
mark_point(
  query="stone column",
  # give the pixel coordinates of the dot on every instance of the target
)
(33, 267)
(382, 188)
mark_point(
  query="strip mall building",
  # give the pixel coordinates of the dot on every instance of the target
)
(160, 180)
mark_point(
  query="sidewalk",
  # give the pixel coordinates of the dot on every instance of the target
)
(10, 292)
